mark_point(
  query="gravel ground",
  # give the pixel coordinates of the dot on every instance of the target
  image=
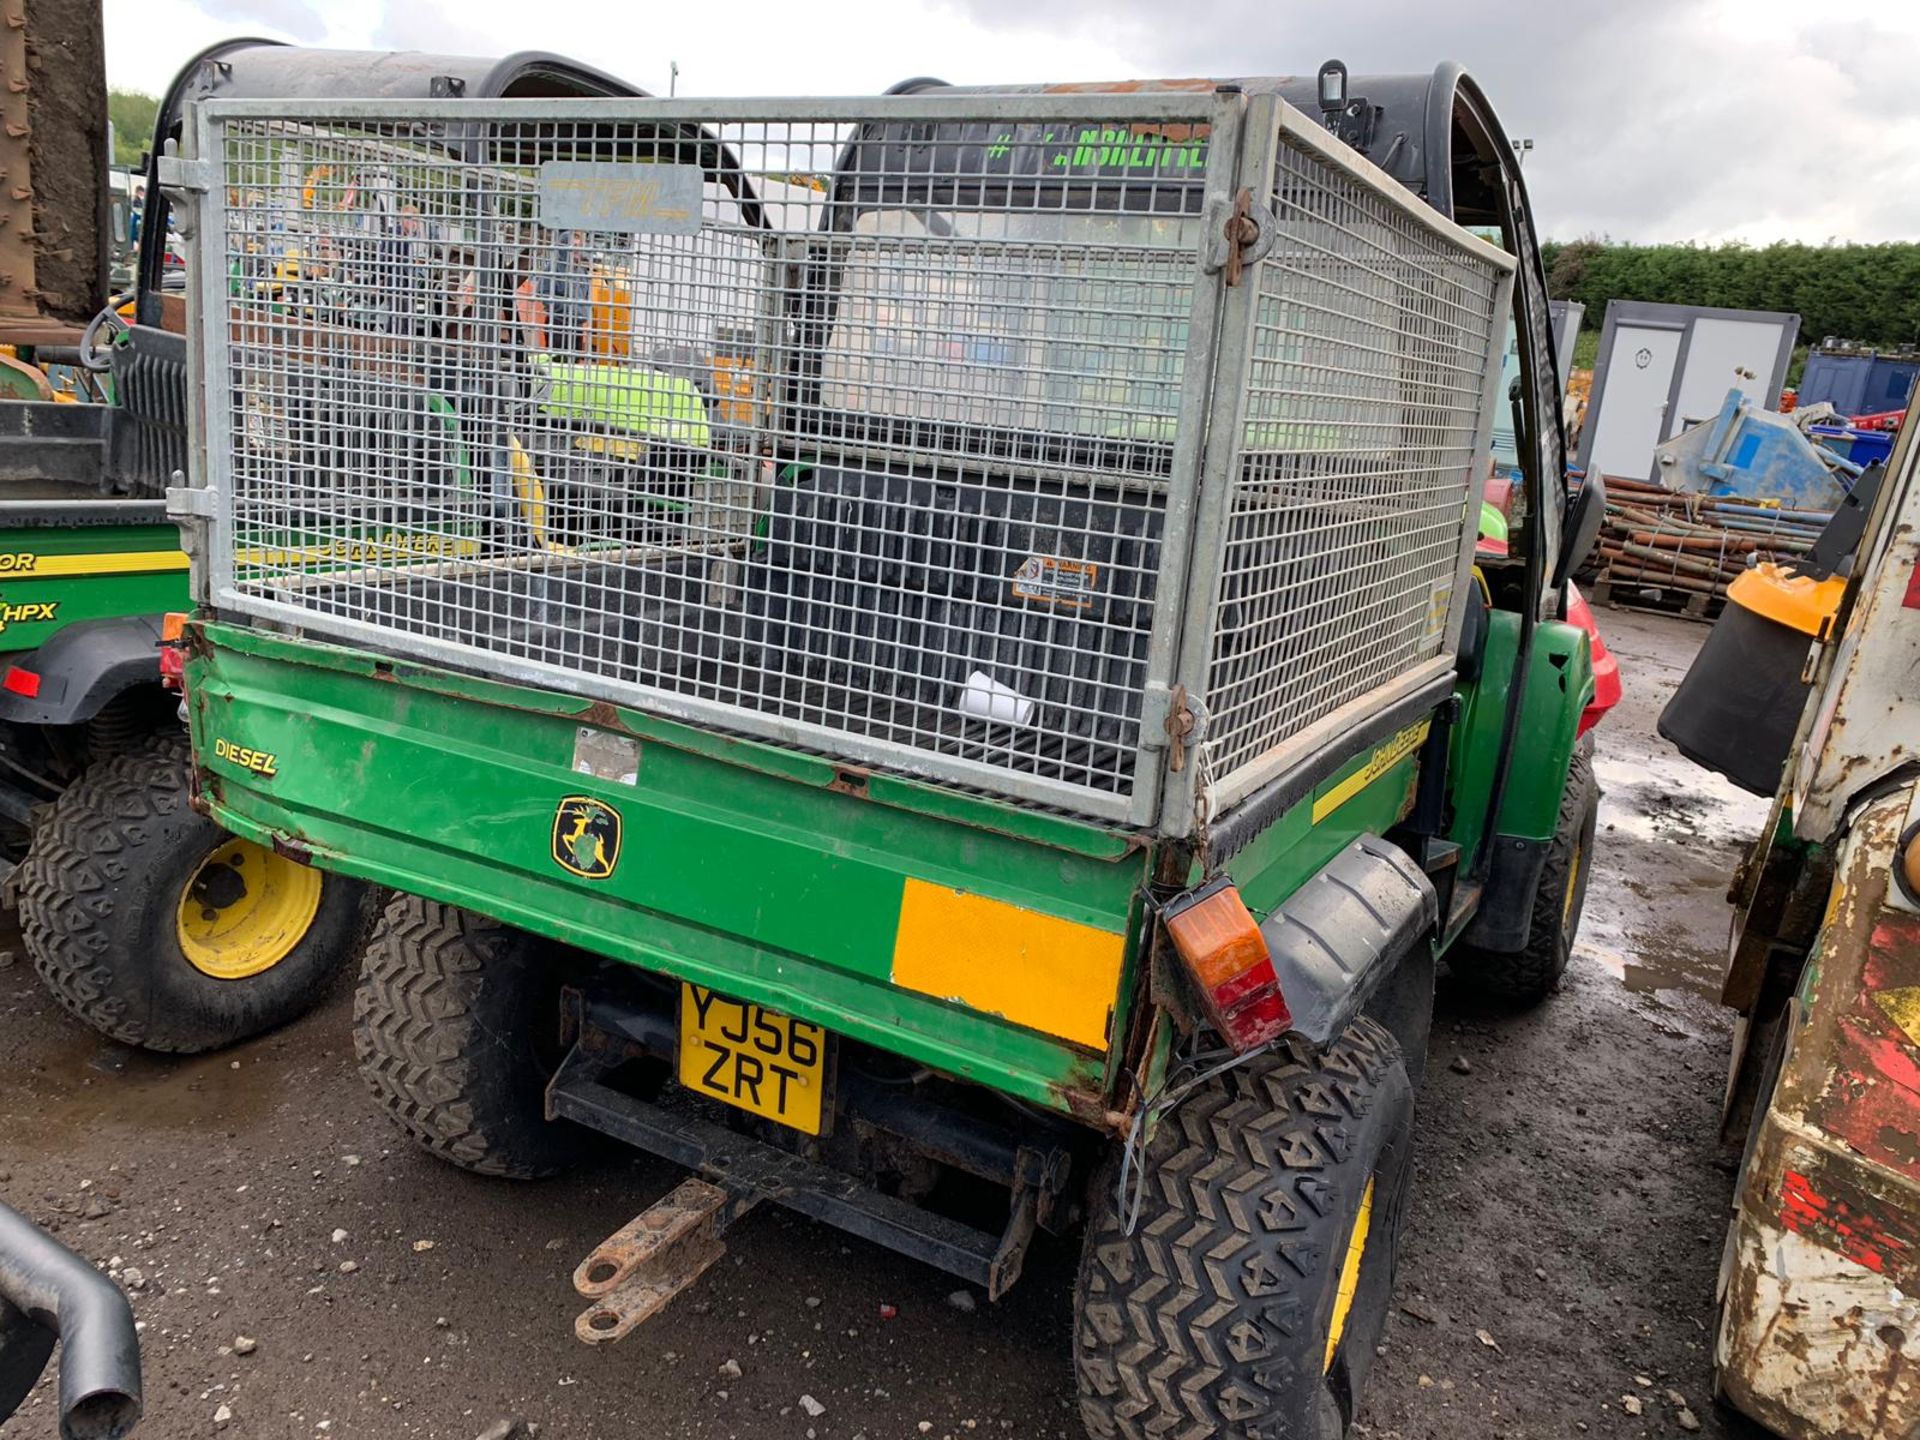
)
(1560, 1253)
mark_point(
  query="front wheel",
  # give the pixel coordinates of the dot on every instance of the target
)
(1251, 1293)
(158, 928)
(1527, 976)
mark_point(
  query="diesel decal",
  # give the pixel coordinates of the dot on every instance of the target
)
(30, 613)
(586, 837)
(260, 762)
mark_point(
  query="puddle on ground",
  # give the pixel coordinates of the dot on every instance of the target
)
(100, 1083)
(1670, 837)
(1648, 965)
(1670, 798)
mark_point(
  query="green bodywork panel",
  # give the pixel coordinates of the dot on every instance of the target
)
(1285, 855)
(742, 867)
(91, 572)
(1559, 686)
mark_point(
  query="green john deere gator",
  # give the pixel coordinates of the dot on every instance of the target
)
(146, 920)
(964, 663)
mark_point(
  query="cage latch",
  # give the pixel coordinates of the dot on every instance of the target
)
(1180, 724)
(1247, 235)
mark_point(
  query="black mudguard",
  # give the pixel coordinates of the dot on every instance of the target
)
(1339, 938)
(83, 667)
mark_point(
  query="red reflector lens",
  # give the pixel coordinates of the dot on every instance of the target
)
(21, 682)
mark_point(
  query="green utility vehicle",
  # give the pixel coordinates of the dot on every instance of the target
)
(146, 919)
(949, 660)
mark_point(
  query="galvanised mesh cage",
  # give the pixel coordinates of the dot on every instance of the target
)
(1361, 451)
(870, 427)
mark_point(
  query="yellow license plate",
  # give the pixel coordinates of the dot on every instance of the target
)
(764, 1062)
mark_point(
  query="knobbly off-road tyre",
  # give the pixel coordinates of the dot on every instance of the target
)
(456, 1025)
(106, 911)
(1214, 1317)
(1525, 977)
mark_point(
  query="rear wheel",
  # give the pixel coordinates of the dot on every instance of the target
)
(456, 1024)
(1528, 975)
(1254, 1287)
(158, 928)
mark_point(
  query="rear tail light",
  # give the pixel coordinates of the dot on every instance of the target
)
(1219, 942)
(173, 656)
(21, 682)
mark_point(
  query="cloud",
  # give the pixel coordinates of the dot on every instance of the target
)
(293, 19)
(1651, 119)
(414, 25)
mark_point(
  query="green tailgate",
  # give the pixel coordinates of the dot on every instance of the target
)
(989, 943)
(52, 577)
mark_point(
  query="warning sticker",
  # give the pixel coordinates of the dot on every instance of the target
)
(1056, 582)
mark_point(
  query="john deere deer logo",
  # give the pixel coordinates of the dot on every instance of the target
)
(586, 837)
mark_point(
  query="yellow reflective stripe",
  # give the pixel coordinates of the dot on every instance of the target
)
(1051, 975)
(1381, 761)
(114, 562)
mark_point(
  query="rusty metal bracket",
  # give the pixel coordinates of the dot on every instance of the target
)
(1185, 724)
(1240, 236)
(632, 1274)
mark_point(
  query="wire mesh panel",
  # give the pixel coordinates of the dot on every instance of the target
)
(1365, 422)
(876, 428)
(852, 428)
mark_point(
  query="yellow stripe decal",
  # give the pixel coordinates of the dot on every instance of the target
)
(401, 551)
(1051, 975)
(116, 562)
(1381, 761)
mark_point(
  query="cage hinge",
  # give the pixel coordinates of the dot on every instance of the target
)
(189, 502)
(1241, 234)
(189, 177)
(1172, 720)
(184, 182)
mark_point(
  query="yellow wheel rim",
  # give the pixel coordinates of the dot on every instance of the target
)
(1573, 886)
(1349, 1275)
(244, 910)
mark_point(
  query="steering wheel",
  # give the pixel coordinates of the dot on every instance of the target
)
(94, 354)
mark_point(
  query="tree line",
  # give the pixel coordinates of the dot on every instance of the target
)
(1868, 293)
(132, 115)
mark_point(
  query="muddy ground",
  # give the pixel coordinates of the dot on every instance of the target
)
(1569, 1203)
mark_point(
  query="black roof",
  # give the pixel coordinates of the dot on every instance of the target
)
(252, 69)
(1411, 119)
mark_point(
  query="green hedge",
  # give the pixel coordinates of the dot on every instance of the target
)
(1869, 293)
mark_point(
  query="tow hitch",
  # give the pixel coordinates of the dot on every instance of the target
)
(634, 1272)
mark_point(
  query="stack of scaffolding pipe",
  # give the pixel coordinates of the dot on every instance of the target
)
(1694, 543)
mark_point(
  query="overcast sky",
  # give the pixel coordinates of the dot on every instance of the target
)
(1651, 119)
